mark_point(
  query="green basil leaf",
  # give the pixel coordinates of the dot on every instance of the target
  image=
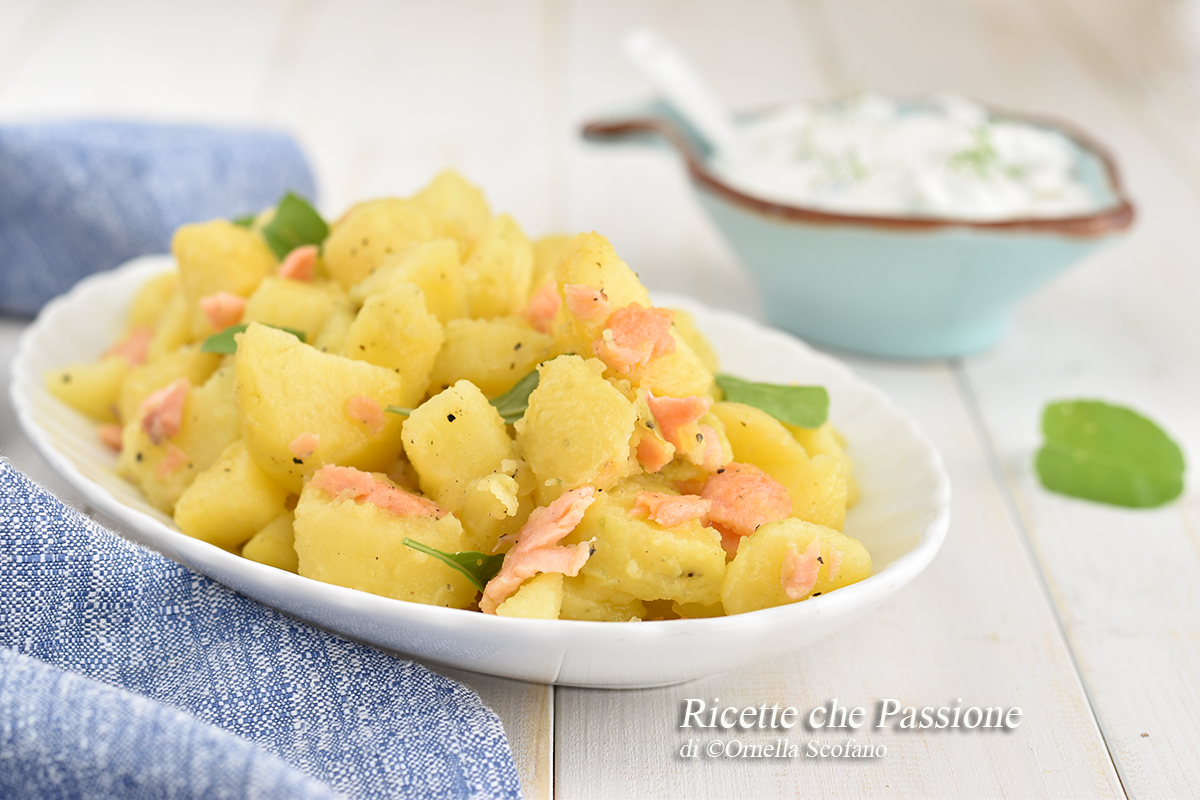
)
(225, 344)
(478, 568)
(244, 221)
(295, 223)
(513, 403)
(404, 412)
(1109, 454)
(804, 406)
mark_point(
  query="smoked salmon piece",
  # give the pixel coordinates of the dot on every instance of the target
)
(678, 422)
(366, 488)
(537, 549)
(743, 497)
(172, 462)
(299, 264)
(162, 411)
(223, 309)
(633, 336)
(304, 445)
(367, 411)
(585, 302)
(670, 510)
(134, 346)
(653, 453)
(543, 307)
(111, 436)
(798, 573)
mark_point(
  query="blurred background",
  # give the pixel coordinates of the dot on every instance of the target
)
(381, 95)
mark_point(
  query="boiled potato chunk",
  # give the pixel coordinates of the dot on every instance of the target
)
(586, 598)
(548, 253)
(218, 256)
(209, 424)
(230, 501)
(639, 557)
(433, 266)
(685, 326)
(753, 578)
(91, 389)
(817, 486)
(458, 208)
(826, 440)
(342, 541)
(577, 428)
(496, 505)
(286, 388)
(298, 305)
(174, 328)
(498, 269)
(540, 597)
(275, 544)
(454, 438)
(680, 373)
(396, 331)
(144, 379)
(590, 260)
(493, 354)
(151, 301)
(370, 233)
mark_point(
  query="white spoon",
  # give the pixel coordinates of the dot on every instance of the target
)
(670, 71)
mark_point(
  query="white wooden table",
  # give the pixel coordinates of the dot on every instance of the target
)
(1086, 617)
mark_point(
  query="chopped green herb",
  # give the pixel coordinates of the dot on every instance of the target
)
(244, 221)
(513, 403)
(478, 568)
(1108, 454)
(295, 223)
(805, 406)
(404, 412)
(225, 344)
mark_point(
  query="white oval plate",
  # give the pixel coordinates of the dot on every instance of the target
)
(901, 519)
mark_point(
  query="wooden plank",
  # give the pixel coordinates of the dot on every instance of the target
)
(1121, 327)
(975, 626)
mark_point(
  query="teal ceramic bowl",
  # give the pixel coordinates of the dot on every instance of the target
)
(902, 287)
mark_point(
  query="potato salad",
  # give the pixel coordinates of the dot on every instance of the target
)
(417, 401)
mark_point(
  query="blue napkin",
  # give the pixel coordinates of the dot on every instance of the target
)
(119, 668)
(80, 197)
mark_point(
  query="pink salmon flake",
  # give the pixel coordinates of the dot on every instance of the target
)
(634, 335)
(537, 549)
(162, 411)
(365, 410)
(543, 307)
(223, 309)
(363, 487)
(670, 510)
(300, 263)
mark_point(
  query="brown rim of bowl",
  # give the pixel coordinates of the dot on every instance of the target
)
(1101, 223)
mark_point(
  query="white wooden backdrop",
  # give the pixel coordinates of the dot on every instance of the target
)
(1086, 617)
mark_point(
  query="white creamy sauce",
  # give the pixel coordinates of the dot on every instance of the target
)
(945, 157)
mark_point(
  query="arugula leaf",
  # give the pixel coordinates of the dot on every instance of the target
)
(1109, 454)
(478, 568)
(225, 344)
(404, 412)
(804, 406)
(513, 403)
(295, 223)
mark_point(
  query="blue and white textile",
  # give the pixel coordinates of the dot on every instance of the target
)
(84, 196)
(322, 714)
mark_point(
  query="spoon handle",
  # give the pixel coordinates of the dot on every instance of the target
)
(670, 71)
